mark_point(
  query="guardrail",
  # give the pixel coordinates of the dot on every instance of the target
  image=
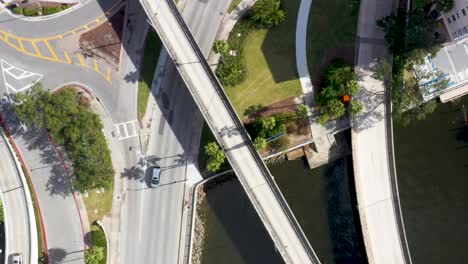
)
(240, 127)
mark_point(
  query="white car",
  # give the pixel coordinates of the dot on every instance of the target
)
(155, 177)
(17, 259)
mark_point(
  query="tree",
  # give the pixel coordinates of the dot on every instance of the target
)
(2, 215)
(302, 112)
(74, 127)
(335, 108)
(444, 5)
(355, 107)
(221, 46)
(94, 255)
(351, 88)
(268, 123)
(268, 13)
(325, 95)
(215, 156)
(260, 143)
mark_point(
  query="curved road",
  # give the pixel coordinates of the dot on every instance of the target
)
(19, 231)
(58, 24)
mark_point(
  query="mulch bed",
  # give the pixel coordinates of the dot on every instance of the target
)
(104, 41)
(287, 105)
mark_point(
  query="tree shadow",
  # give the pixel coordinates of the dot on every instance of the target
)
(57, 255)
(58, 182)
(135, 173)
(279, 45)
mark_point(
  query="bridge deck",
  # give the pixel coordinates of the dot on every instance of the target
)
(219, 114)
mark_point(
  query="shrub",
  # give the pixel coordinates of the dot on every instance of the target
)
(49, 10)
(268, 13)
(267, 127)
(17, 10)
(260, 143)
(323, 118)
(355, 107)
(221, 46)
(301, 111)
(280, 144)
(94, 255)
(31, 11)
(231, 70)
(215, 156)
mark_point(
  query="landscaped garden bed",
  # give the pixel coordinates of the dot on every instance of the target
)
(39, 8)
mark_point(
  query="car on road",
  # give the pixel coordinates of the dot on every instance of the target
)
(155, 175)
(17, 259)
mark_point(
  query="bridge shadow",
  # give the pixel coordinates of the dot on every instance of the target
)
(234, 232)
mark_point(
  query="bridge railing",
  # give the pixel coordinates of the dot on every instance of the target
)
(240, 127)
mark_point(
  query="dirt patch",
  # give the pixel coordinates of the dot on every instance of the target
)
(285, 106)
(104, 41)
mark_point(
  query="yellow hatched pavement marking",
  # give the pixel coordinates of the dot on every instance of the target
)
(67, 57)
(38, 52)
(80, 58)
(51, 49)
(21, 44)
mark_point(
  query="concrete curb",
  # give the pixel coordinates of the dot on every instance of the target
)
(20, 161)
(194, 191)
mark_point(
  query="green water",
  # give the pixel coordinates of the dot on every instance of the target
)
(320, 199)
(432, 168)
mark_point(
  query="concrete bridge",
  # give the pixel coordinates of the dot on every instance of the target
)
(249, 167)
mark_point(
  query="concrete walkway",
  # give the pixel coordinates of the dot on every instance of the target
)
(372, 139)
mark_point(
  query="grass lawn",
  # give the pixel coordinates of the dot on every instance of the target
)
(233, 5)
(331, 33)
(271, 64)
(150, 60)
(98, 204)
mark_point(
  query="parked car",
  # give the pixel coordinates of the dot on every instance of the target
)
(154, 182)
(17, 259)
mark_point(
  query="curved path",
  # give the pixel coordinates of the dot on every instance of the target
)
(61, 23)
(20, 225)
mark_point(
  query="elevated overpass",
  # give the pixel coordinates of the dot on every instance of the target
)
(209, 95)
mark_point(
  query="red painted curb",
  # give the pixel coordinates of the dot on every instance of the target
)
(67, 171)
(7, 132)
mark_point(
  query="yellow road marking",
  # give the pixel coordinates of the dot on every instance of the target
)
(80, 58)
(96, 67)
(108, 75)
(51, 49)
(38, 52)
(67, 57)
(21, 44)
(85, 26)
(97, 20)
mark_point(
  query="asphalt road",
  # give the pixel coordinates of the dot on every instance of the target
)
(62, 224)
(17, 225)
(53, 188)
(153, 216)
(60, 24)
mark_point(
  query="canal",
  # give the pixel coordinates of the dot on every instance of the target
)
(321, 200)
(432, 166)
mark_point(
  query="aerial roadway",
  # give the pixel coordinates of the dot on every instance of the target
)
(20, 226)
(152, 215)
(271, 206)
